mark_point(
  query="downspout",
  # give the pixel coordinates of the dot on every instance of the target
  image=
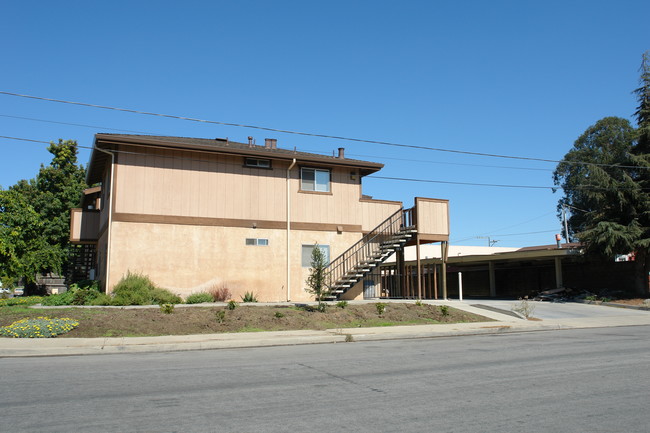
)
(293, 163)
(110, 217)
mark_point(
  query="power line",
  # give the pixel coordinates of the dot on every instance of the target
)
(308, 150)
(307, 134)
(462, 183)
(370, 176)
(73, 124)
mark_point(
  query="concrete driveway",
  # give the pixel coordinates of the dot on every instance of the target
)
(560, 310)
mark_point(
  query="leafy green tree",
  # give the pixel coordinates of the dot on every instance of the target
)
(35, 216)
(316, 282)
(23, 250)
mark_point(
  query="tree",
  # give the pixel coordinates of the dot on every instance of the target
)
(642, 113)
(603, 182)
(316, 282)
(35, 216)
(23, 250)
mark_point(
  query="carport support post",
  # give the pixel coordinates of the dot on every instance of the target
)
(419, 279)
(443, 268)
(460, 286)
(493, 281)
(558, 273)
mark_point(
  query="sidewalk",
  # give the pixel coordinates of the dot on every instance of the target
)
(504, 323)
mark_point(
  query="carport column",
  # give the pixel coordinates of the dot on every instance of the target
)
(558, 273)
(417, 252)
(493, 280)
(443, 268)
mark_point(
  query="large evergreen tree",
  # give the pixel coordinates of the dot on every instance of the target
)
(606, 183)
(35, 216)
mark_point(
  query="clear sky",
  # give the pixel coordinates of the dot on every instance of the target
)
(516, 78)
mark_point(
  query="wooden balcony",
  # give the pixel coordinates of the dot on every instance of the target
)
(84, 226)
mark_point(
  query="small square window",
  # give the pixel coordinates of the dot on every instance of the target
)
(306, 254)
(315, 179)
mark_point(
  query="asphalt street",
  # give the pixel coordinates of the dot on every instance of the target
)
(582, 380)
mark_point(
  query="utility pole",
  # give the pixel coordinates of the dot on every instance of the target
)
(566, 227)
(489, 239)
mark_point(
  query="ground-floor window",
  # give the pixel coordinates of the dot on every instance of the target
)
(306, 254)
(260, 242)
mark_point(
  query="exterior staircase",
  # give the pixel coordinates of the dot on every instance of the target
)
(372, 250)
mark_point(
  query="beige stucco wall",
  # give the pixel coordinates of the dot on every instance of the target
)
(187, 259)
(186, 184)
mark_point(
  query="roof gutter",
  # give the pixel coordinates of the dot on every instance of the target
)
(293, 163)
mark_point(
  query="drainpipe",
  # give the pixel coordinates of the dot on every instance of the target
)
(110, 217)
(293, 163)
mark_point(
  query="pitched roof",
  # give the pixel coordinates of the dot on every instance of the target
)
(109, 142)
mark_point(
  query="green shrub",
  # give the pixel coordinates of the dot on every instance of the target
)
(342, 304)
(199, 298)
(164, 296)
(249, 297)
(381, 307)
(138, 289)
(232, 305)
(419, 303)
(39, 327)
(167, 308)
(220, 316)
(101, 299)
(85, 296)
(444, 310)
(58, 300)
(279, 315)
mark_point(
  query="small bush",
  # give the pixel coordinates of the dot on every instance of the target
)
(525, 308)
(220, 316)
(137, 289)
(220, 294)
(249, 297)
(419, 303)
(167, 308)
(102, 299)
(342, 304)
(444, 310)
(199, 298)
(232, 305)
(279, 315)
(40, 327)
(58, 300)
(381, 307)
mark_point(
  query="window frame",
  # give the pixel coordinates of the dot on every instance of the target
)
(255, 163)
(324, 248)
(315, 170)
(257, 242)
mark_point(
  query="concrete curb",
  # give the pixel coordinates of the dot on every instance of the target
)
(92, 346)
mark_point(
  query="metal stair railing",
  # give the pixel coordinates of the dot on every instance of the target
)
(372, 249)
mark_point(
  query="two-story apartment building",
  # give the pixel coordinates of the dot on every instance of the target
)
(193, 214)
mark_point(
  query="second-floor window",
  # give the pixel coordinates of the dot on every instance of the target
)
(257, 163)
(314, 179)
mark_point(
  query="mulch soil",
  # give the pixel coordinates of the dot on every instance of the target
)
(119, 322)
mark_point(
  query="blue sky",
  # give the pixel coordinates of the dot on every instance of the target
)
(506, 77)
